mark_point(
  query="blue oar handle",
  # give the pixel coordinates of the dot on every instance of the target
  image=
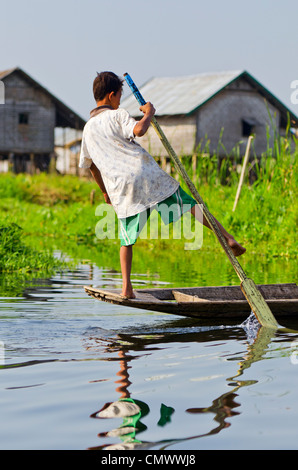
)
(134, 89)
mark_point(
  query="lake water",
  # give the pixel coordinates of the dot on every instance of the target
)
(65, 356)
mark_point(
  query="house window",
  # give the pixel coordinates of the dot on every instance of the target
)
(248, 127)
(23, 118)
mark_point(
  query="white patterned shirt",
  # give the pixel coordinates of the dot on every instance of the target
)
(133, 179)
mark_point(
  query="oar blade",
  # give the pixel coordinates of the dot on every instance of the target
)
(258, 304)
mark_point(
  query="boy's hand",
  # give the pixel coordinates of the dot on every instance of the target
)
(142, 126)
(148, 109)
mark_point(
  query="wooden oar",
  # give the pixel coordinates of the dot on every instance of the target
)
(248, 287)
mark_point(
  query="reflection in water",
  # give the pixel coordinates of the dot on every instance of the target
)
(132, 411)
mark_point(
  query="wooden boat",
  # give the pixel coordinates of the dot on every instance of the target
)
(205, 302)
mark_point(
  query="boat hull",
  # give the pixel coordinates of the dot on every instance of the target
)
(204, 302)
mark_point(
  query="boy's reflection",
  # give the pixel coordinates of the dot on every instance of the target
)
(129, 409)
(132, 411)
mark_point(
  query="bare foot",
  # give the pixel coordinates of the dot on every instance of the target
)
(236, 248)
(128, 294)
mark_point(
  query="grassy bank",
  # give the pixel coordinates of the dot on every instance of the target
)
(16, 256)
(43, 213)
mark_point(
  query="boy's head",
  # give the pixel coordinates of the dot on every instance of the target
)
(106, 83)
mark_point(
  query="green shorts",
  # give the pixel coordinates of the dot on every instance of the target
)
(170, 210)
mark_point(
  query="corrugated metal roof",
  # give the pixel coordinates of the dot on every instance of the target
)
(180, 95)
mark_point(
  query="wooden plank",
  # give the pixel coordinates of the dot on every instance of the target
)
(182, 297)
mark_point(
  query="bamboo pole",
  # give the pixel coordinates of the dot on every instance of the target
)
(245, 161)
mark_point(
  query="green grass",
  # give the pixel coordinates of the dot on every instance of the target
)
(16, 256)
(266, 215)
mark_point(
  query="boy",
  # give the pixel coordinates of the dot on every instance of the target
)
(127, 174)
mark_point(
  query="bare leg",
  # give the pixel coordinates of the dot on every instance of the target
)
(125, 261)
(236, 248)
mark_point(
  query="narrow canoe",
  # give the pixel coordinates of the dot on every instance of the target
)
(205, 302)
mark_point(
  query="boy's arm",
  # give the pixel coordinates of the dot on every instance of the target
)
(142, 126)
(97, 176)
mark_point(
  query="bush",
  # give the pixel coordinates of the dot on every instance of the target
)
(16, 256)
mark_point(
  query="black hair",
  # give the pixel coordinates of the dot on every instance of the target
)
(105, 83)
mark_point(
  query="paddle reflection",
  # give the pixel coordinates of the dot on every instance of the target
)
(132, 411)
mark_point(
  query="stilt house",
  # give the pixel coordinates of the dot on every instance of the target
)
(28, 119)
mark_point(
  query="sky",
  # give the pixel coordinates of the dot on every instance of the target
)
(63, 43)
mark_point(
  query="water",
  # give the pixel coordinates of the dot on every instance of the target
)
(65, 356)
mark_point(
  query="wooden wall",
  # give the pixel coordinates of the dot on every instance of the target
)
(27, 119)
(226, 111)
(179, 130)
